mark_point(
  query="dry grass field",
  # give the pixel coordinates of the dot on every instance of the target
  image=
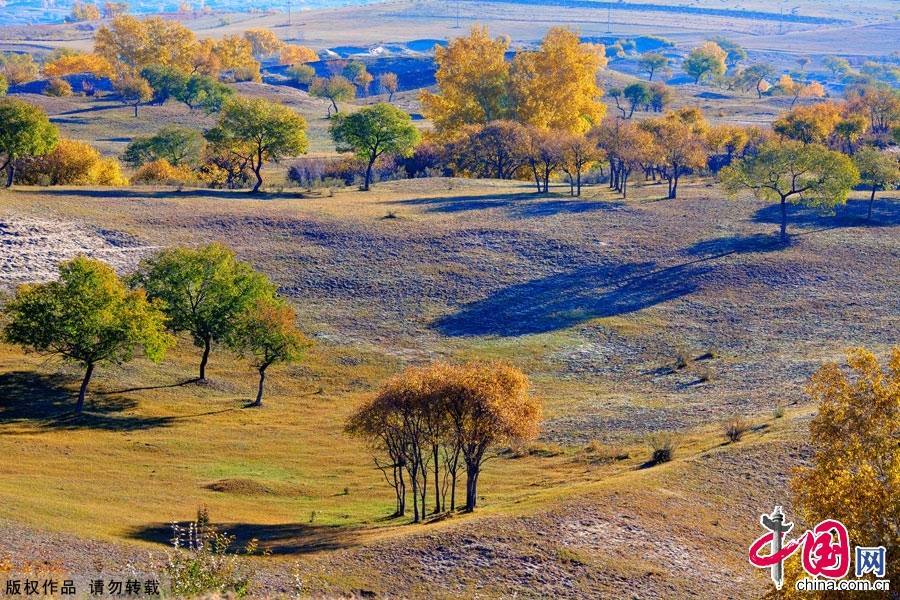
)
(595, 298)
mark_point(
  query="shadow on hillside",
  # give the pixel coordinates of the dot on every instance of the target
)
(737, 244)
(287, 538)
(521, 204)
(885, 213)
(563, 300)
(48, 402)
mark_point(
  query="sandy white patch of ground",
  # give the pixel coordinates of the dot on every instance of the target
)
(32, 248)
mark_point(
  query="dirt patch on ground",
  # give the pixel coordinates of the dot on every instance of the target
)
(32, 248)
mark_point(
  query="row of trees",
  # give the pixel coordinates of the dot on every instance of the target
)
(426, 423)
(90, 316)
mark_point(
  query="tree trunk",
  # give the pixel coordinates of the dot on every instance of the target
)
(415, 492)
(673, 187)
(453, 488)
(401, 495)
(471, 487)
(578, 182)
(437, 480)
(207, 344)
(10, 174)
(84, 385)
(784, 236)
(871, 202)
(257, 170)
(259, 391)
(369, 174)
(336, 109)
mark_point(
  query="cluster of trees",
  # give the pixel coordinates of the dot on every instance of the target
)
(91, 316)
(428, 422)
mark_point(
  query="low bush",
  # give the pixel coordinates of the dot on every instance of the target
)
(734, 428)
(162, 172)
(70, 163)
(58, 87)
(203, 562)
(662, 446)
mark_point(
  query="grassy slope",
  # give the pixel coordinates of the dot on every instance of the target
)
(592, 296)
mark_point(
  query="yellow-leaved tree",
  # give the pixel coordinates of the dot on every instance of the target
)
(854, 476)
(472, 77)
(556, 87)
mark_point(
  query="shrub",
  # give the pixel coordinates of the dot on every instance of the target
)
(663, 446)
(203, 562)
(70, 163)
(598, 452)
(778, 412)
(162, 172)
(735, 428)
(4, 85)
(58, 87)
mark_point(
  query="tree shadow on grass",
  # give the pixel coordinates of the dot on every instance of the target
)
(738, 244)
(280, 539)
(561, 301)
(885, 213)
(520, 204)
(48, 402)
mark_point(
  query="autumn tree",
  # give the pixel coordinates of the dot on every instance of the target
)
(495, 150)
(25, 130)
(472, 78)
(627, 147)
(879, 104)
(293, 55)
(371, 132)
(797, 89)
(235, 55)
(263, 43)
(336, 88)
(430, 420)
(18, 68)
(579, 153)
(734, 53)
(355, 71)
(680, 147)
(87, 316)
(790, 171)
(260, 131)
(837, 65)
(813, 124)
(133, 91)
(84, 12)
(488, 404)
(133, 44)
(544, 153)
(651, 62)
(724, 142)
(4, 85)
(706, 61)
(853, 473)
(71, 162)
(111, 10)
(556, 87)
(204, 292)
(303, 74)
(266, 331)
(755, 77)
(176, 144)
(72, 64)
(878, 170)
(389, 84)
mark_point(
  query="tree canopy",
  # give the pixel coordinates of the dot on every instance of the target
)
(267, 332)
(259, 130)
(25, 130)
(203, 292)
(373, 131)
(87, 316)
(705, 61)
(790, 171)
